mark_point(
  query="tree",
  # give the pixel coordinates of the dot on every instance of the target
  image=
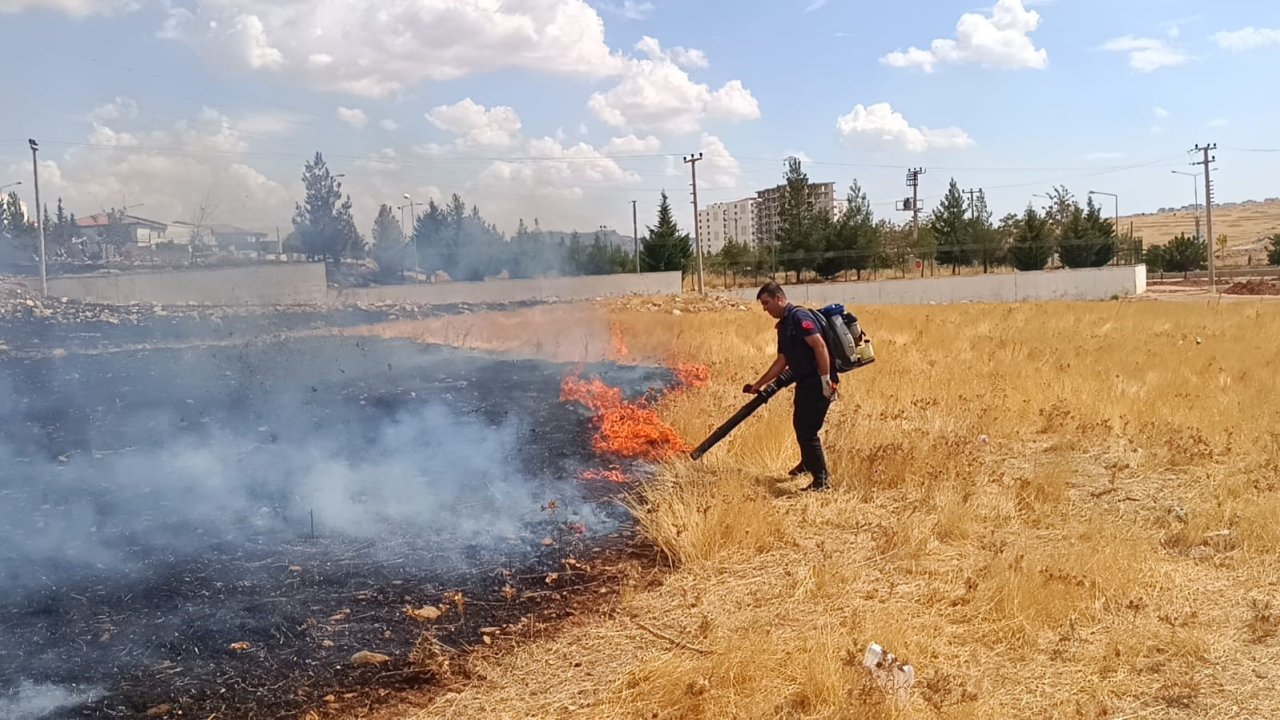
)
(852, 241)
(323, 220)
(1273, 250)
(1062, 204)
(1102, 234)
(665, 248)
(799, 235)
(1032, 244)
(988, 244)
(1184, 254)
(951, 226)
(390, 251)
(1086, 239)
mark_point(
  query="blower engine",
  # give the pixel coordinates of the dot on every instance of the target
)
(847, 345)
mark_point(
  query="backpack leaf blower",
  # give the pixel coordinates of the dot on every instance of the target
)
(848, 347)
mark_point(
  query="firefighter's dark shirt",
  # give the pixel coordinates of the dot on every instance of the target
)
(796, 325)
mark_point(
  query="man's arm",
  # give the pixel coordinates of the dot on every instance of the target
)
(820, 352)
(779, 364)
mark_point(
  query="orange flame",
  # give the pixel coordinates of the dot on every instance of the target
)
(613, 475)
(623, 429)
(691, 375)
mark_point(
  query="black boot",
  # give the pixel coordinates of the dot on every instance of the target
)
(798, 470)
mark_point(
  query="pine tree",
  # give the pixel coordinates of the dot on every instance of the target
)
(798, 238)
(1103, 234)
(853, 242)
(665, 248)
(1273, 250)
(390, 251)
(951, 226)
(323, 221)
(1184, 254)
(1032, 243)
(988, 243)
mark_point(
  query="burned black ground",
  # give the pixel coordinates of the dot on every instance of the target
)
(128, 573)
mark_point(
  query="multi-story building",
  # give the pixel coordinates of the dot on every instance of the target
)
(719, 222)
(822, 199)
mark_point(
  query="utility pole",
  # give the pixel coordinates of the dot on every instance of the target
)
(1208, 208)
(973, 208)
(1195, 195)
(635, 234)
(692, 162)
(279, 242)
(913, 205)
(35, 171)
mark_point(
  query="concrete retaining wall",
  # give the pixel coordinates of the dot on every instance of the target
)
(246, 285)
(499, 291)
(1085, 284)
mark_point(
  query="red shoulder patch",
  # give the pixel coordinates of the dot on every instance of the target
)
(808, 325)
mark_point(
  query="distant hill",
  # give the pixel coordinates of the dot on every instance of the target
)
(612, 237)
(1246, 224)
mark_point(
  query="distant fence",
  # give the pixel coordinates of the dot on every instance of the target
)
(305, 283)
(1084, 284)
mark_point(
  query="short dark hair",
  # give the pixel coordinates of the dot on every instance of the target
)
(772, 289)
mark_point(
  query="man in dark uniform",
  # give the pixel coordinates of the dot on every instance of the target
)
(802, 348)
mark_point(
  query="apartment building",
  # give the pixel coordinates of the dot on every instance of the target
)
(719, 222)
(822, 198)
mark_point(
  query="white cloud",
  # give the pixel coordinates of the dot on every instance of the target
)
(476, 125)
(656, 94)
(354, 117)
(1001, 40)
(73, 8)
(632, 145)
(377, 51)
(389, 124)
(1217, 123)
(630, 9)
(267, 123)
(1244, 39)
(815, 5)
(718, 168)
(121, 108)
(1160, 112)
(1147, 54)
(881, 126)
(172, 170)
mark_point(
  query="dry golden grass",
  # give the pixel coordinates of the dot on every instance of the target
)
(1053, 511)
(1245, 226)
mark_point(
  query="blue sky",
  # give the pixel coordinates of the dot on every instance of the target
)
(568, 110)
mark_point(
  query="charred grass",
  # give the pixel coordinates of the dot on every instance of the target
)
(1055, 510)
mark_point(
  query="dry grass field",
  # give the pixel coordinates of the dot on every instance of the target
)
(1051, 510)
(1245, 226)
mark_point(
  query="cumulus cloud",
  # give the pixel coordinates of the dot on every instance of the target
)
(879, 125)
(999, 40)
(656, 94)
(632, 145)
(1160, 112)
(173, 170)
(377, 51)
(630, 9)
(1147, 54)
(718, 168)
(354, 117)
(121, 108)
(73, 8)
(477, 126)
(389, 124)
(1245, 39)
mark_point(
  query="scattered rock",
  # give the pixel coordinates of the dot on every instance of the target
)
(239, 646)
(425, 614)
(158, 711)
(364, 657)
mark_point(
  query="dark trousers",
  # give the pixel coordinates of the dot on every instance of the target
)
(810, 413)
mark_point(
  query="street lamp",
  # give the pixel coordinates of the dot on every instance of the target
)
(417, 263)
(35, 172)
(1195, 189)
(12, 184)
(1117, 199)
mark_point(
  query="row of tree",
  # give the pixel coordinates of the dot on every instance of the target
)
(958, 233)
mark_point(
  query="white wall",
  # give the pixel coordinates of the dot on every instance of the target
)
(1085, 284)
(498, 291)
(246, 285)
